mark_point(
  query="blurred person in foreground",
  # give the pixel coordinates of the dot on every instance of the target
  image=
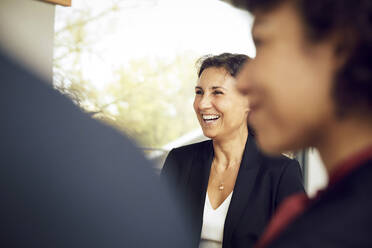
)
(310, 85)
(230, 189)
(68, 181)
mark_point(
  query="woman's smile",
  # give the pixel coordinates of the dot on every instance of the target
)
(210, 119)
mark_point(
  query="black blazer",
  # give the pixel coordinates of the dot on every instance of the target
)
(261, 185)
(340, 218)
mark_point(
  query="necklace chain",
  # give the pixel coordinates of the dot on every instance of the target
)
(220, 182)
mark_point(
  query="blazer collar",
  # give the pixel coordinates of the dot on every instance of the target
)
(245, 181)
(198, 183)
(252, 156)
(202, 162)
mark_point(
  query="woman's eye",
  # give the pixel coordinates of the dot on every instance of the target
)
(198, 92)
(217, 92)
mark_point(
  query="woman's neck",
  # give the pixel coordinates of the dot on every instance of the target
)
(343, 139)
(228, 152)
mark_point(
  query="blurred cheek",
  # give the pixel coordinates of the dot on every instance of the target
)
(272, 134)
(285, 126)
(285, 109)
(271, 123)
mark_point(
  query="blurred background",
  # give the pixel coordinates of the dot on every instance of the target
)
(132, 63)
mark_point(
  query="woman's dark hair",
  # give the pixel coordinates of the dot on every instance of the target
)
(230, 62)
(351, 22)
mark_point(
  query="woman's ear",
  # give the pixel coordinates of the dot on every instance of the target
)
(247, 104)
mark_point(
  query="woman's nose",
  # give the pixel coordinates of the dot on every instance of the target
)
(205, 102)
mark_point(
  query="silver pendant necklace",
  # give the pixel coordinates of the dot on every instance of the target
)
(220, 183)
(221, 187)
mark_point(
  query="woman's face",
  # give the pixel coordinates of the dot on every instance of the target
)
(221, 110)
(288, 83)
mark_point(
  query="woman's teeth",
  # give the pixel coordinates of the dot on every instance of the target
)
(209, 118)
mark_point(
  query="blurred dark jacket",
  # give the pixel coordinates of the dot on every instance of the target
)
(68, 181)
(339, 217)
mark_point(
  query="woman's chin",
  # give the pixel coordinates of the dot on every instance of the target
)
(209, 134)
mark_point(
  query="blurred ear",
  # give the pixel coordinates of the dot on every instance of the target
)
(344, 42)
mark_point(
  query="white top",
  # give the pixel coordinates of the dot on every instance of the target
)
(213, 223)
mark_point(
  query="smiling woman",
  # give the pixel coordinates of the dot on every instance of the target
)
(222, 112)
(230, 188)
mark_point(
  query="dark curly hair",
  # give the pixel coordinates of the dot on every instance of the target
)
(351, 21)
(230, 62)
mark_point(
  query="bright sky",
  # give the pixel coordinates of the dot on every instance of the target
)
(158, 28)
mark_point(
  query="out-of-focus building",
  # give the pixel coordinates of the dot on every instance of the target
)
(27, 34)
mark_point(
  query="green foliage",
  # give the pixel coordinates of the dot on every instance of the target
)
(152, 100)
(148, 98)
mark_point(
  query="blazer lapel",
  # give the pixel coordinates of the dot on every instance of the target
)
(198, 183)
(243, 186)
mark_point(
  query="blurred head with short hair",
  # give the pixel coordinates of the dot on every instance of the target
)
(312, 70)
